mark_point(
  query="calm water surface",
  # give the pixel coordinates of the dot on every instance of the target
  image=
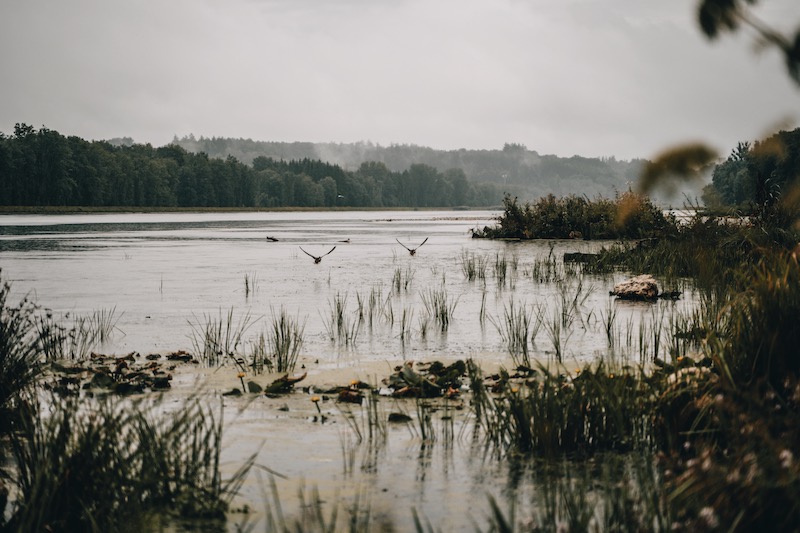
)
(161, 273)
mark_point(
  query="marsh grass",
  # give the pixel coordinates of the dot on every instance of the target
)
(405, 325)
(501, 269)
(117, 465)
(518, 327)
(250, 283)
(473, 266)
(285, 340)
(424, 421)
(609, 319)
(20, 350)
(339, 325)
(545, 270)
(439, 306)
(579, 413)
(76, 341)
(259, 353)
(402, 279)
(558, 331)
(215, 340)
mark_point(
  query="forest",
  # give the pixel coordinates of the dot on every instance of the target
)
(515, 167)
(45, 168)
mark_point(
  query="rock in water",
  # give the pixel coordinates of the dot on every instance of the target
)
(639, 288)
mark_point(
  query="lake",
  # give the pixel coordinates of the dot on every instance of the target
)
(167, 275)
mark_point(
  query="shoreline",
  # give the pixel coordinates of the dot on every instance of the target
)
(67, 210)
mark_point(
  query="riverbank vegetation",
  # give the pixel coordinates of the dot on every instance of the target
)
(628, 216)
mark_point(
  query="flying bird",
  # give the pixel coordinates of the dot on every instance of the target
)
(314, 257)
(412, 251)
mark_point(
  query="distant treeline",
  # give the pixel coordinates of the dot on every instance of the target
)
(45, 168)
(514, 167)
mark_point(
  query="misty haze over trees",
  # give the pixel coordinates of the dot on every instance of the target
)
(515, 168)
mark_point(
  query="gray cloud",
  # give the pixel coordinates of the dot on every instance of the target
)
(587, 77)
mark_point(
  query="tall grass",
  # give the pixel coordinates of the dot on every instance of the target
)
(519, 327)
(339, 325)
(118, 467)
(474, 267)
(582, 413)
(250, 283)
(87, 332)
(285, 341)
(20, 361)
(402, 279)
(439, 306)
(216, 340)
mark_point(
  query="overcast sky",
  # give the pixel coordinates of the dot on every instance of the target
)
(589, 77)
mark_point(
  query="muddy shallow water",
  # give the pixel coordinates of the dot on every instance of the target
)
(167, 275)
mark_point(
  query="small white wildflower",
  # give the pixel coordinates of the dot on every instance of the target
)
(787, 458)
(708, 516)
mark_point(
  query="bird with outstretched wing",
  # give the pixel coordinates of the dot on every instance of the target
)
(412, 251)
(314, 257)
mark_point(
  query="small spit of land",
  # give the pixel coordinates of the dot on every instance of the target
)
(691, 425)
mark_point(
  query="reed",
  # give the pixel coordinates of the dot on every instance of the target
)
(215, 340)
(439, 307)
(609, 318)
(78, 340)
(402, 279)
(588, 411)
(250, 283)
(20, 345)
(405, 325)
(501, 269)
(424, 421)
(473, 266)
(117, 466)
(519, 324)
(259, 355)
(558, 332)
(373, 304)
(285, 341)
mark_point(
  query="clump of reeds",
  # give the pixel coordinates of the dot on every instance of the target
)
(501, 269)
(405, 325)
(401, 279)
(19, 349)
(340, 326)
(439, 307)
(285, 341)
(259, 353)
(474, 267)
(583, 412)
(77, 341)
(117, 467)
(518, 328)
(250, 283)
(215, 340)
